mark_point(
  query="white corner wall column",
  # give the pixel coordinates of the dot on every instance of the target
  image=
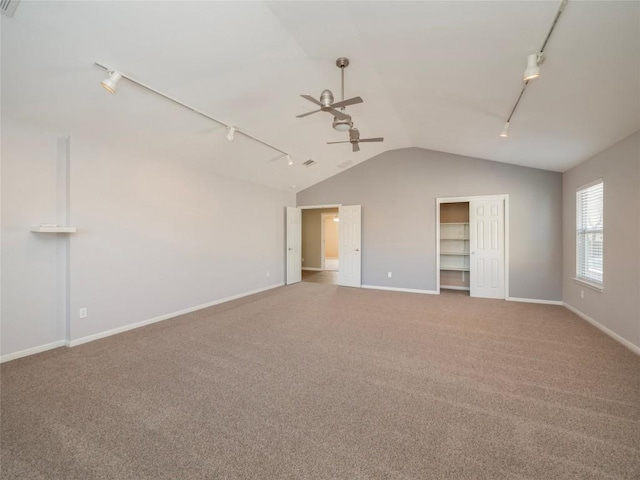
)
(64, 240)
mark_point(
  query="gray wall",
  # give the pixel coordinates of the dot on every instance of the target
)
(311, 236)
(156, 236)
(618, 306)
(29, 260)
(398, 191)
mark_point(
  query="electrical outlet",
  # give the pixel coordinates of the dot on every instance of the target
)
(268, 274)
(581, 293)
(389, 274)
(83, 312)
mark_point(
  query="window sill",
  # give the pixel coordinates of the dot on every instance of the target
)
(586, 283)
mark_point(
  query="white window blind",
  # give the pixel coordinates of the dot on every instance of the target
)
(590, 232)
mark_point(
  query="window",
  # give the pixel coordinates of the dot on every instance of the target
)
(590, 233)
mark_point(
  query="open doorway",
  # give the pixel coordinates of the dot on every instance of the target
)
(329, 240)
(320, 245)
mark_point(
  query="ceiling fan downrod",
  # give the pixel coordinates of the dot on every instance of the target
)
(342, 63)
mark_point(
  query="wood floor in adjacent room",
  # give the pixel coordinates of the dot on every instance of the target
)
(315, 381)
(324, 276)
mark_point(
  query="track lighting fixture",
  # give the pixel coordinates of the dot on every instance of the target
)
(231, 133)
(533, 67)
(111, 83)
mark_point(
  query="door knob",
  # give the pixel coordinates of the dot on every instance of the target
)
(291, 249)
(357, 249)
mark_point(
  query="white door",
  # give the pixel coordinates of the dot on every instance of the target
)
(350, 246)
(486, 228)
(294, 245)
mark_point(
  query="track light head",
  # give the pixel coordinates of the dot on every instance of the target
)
(505, 130)
(231, 133)
(533, 67)
(289, 160)
(110, 83)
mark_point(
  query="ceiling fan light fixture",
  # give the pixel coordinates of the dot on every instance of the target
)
(505, 131)
(533, 67)
(110, 83)
(289, 160)
(342, 125)
(231, 133)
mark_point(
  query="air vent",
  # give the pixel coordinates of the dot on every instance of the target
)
(8, 7)
(309, 163)
(346, 164)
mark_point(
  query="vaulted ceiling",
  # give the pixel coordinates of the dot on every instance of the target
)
(436, 75)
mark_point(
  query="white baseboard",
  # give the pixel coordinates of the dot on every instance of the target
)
(108, 333)
(534, 300)
(394, 289)
(313, 269)
(599, 326)
(32, 351)
(453, 287)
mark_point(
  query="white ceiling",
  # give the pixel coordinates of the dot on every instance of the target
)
(436, 75)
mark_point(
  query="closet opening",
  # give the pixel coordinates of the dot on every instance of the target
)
(454, 246)
(472, 245)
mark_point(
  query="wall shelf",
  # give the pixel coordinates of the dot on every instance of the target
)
(39, 229)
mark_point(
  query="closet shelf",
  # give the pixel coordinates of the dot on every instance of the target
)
(40, 229)
(455, 269)
(455, 253)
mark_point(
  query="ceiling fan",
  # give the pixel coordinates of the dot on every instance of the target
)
(341, 121)
(354, 139)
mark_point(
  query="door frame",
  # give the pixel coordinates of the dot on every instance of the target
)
(505, 198)
(323, 218)
(315, 207)
(293, 241)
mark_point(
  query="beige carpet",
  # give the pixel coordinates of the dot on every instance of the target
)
(316, 381)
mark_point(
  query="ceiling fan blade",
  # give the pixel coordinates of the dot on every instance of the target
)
(308, 113)
(347, 102)
(356, 147)
(338, 114)
(312, 100)
(377, 139)
(331, 143)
